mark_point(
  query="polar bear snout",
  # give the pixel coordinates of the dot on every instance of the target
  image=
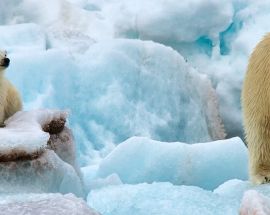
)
(5, 62)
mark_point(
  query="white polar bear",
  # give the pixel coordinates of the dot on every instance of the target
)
(10, 100)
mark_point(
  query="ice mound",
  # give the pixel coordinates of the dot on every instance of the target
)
(139, 160)
(49, 204)
(135, 88)
(118, 89)
(28, 160)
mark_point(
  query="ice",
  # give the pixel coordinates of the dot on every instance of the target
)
(165, 198)
(48, 204)
(170, 21)
(139, 160)
(22, 38)
(118, 89)
(46, 174)
(226, 62)
(163, 70)
(63, 144)
(217, 45)
(158, 199)
(255, 203)
(25, 128)
(28, 164)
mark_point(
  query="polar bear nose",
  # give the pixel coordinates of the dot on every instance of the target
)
(6, 62)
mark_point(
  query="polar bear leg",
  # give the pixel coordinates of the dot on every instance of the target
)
(259, 158)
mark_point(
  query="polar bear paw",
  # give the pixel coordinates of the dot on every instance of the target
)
(261, 178)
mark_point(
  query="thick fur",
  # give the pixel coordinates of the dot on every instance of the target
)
(10, 100)
(256, 112)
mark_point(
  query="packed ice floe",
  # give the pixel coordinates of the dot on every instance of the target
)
(167, 72)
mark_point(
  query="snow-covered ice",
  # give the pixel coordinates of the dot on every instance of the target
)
(23, 131)
(165, 198)
(165, 70)
(139, 160)
(217, 45)
(28, 165)
(118, 89)
(48, 204)
(255, 203)
(22, 38)
(157, 199)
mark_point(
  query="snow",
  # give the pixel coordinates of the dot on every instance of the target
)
(48, 204)
(27, 163)
(133, 19)
(254, 203)
(165, 198)
(25, 128)
(139, 160)
(19, 38)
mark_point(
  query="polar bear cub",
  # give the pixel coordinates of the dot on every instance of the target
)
(10, 100)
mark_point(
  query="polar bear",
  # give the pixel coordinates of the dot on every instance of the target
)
(10, 100)
(256, 111)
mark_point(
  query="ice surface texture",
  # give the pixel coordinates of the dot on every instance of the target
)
(217, 45)
(46, 171)
(165, 198)
(118, 89)
(49, 204)
(255, 203)
(139, 160)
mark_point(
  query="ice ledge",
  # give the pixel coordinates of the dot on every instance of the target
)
(24, 136)
(37, 154)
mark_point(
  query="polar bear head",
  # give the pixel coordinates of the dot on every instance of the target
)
(4, 61)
